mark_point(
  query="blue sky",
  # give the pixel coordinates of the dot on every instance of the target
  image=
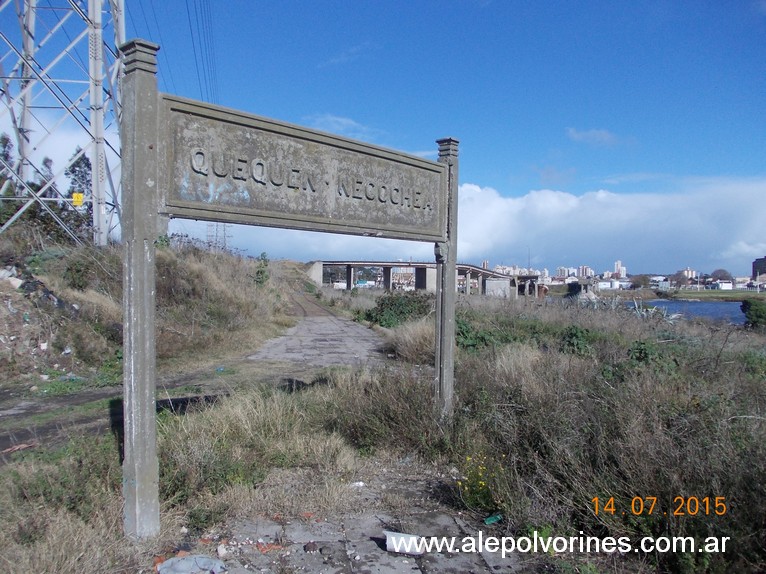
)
(589, 131)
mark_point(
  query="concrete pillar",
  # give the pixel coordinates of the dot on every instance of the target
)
(349, 277)
(420, 279)
(431, 285)
(446, 264)
(140, 177)
(387, 278)
(316, 272)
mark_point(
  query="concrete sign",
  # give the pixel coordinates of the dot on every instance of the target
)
(183, 158)
(228, 166)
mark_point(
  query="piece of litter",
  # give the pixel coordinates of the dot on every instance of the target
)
(492, 519)
(403, 543)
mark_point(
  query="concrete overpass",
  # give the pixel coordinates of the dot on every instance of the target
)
(470, 278)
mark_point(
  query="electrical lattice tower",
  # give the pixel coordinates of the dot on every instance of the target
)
(60, 74)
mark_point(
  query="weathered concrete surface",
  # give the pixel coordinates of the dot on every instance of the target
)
(356, 544)
(325, 341)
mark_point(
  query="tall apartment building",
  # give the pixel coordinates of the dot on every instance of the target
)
(759, 268)
(620, 270)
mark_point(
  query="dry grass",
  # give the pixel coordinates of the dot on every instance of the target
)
(556, 404)
(351, 302)
(414, 341)
(210, 306)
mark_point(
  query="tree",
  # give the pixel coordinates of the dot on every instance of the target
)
(721, 275)
(6, 148)
(79, 174)
(755, 313)
(639, 281)
(678, 279)
(46, 175)
(262, 270)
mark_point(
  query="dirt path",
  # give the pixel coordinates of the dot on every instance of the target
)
(319, 340)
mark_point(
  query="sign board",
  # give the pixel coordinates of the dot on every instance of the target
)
(228, 166)
(183, 158)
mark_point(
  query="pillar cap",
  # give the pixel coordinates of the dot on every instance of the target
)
(140, 55)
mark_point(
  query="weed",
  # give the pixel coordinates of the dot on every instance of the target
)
(575, 341)
(261, 276)
(201, 517)
(77, 274)
(468, 336)
(476, 487)
(82, 472)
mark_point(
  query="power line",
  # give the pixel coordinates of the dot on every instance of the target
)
(163, 53)
(194, 48)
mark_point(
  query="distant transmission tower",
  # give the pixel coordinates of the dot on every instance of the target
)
(218, 235)
(59, 87)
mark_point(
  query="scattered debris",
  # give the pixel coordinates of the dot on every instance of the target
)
(18, 447)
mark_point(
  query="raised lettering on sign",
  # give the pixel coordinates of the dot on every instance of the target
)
(361, 188)
(256, 170)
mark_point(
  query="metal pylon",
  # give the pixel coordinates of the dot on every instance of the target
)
(59, 87)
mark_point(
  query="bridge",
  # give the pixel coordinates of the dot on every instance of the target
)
(420, 275)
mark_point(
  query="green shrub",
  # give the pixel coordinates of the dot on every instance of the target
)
(575, 341)
(755, 313)
(393, 309)
(472, 337)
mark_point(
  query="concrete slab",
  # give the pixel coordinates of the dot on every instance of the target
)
(324, 341)
(457, 563)
(328, 557)
(433, 524)
(366, 526)
(258, 528)
(300, 532)
(370, 557)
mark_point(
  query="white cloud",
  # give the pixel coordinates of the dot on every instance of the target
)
(639, 177)
(594, 137)
(351, 54)
(340, 125)
(744, 250)
(703, 223)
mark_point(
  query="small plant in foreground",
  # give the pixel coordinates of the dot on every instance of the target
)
(476, 486)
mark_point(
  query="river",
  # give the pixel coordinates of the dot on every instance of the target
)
(727, 311)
